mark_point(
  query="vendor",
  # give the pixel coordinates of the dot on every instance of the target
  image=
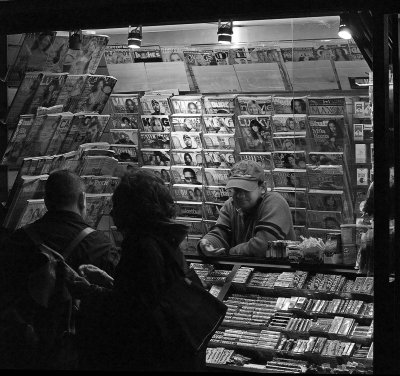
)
(250, 217)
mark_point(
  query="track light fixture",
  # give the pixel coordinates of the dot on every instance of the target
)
(75, 39)
(135, 36)
(225, 31)
(344, 30)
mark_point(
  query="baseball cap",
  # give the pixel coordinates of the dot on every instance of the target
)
(246, 175)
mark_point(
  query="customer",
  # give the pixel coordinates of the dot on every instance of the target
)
(124, 334)
(63, 221)
(250, 218)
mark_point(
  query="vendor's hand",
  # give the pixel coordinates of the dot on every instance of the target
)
(96, 276)
(208, 249)
(235, 251)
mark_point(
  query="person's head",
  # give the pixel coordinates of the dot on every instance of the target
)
(289, 159)
(174, 56)
(329, 201)
(190, 194)
(340, 54)
(253, 108)
(247, 184)
(288, 144)
(43, 41)
(188, 159)
(99, 84)
(290, 123)
(140, 201)
(332, 126)
(197, 193)
(255, 126)
(298, 106)
(231, 158)
(130, 105)
(91, 131)
(192, 108)
(156, 105)
(187, 140)
(189, 175)
(65, 190)
(156, 125)
(125, 121)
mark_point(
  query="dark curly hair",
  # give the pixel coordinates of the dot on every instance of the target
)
(140, 201)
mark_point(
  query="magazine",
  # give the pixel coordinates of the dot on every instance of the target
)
(263, 54)
(124, 136)
(219, 124)
(125, 121)
(98, 165)
(230, 56)
(155, 123)
(285, 123)
(155, 140)
(195, 226)
(219, 159)
(97, 206)
(187, 175)
(298, 54)
(324, 219)
(327, 158)
(147, 54)
(299, 216)
(326, 106)
(189, 158)
(160, 157)
(219, 141)
(182, 140)
(327, 133)
(56, 109)
(255, 105)
(71, 92)
(211, 210)
(95, 93)
(216, 194)
(290, 143)
(185, 123)
(162, 172)
(199, 58)
(186, 192)
(256, 133)
(217, 176)
(184, 104)
(188, 210)
(172, 54)
(358, 132)
(125, 153)
(34, 209)
(99, 184)
(296, 198)
(264, 159)
(59, 134)
(125, 103)
(221, 104)
(283, 177)
(290, 105)
(117, 54)
(155, 104)
(325, 200)
(325, 177)
(289, 159)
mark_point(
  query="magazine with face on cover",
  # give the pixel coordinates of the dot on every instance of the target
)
(155, 157)
(155, 140)
(289, 159)
(219, 124)
(125, 121)
(219, 158)
(60, 133)
(187, 158)
(125, 103)
(289, 123)
(262, 158)
(327, 133)
(326, 200)
(324, 219)
(163, 172)
(216, 193)
(290, 105)
(216, 141)
(124, 136)
(187, 175)
(256, 133)
(186, 140)
(155, 123)
(255, 105)
(156, 104)
(187, 192)
(185, 104)
(219, 104)
(290, 142)
(186, 123)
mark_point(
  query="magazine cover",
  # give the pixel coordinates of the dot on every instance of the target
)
(162, 172)
(155, 140)
(117, 54)
(216, 194)
(325, 177)
(159, 157)
(124, 136)
(125, 153)
(184, 104)
(264, 159)
(285, 123)
(219, 159)
(290, 143)
(125, 121)
(155, 123)
(147, 54)
(289, 178)
(190, 158)
(125, 103)
(289, 159)
(326, 106)
(186, 192)
(290, 105)
(155, 104)
(219, 141)
(326, 133)
(219, 124)
(182, 140)
(187, 175)
(327, 158)
(95, 94)
(199, 58)
(299, 216)
(324, 219)
(263, 54)
(230, 56)
(221, 104)
(256, 133)
(97, 206)
(325, 200)
(195, 226)
(185, 123)
(172, 54)
(27, 143)
(296, 198)
(71, 92)
(217, 176)
(47, 93)
(358, 132)
(34, 209)
(23, 97)
(97, 165)
(99, 184)
(211, 210)
(298, 54)
(186, 209)
(255, 105)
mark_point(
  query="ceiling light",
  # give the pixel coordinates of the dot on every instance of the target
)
(135, 36)
(75, 39)
(225, 31)
(344, 30)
